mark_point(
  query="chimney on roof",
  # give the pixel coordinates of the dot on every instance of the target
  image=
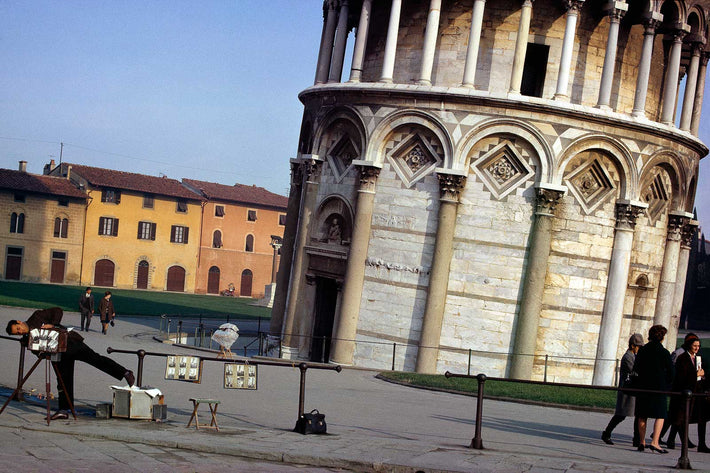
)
(68, 172)
(23, 166)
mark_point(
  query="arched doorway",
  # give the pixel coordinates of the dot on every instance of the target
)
(142, 276)
(176, 279)
(245, 286)
(213, 280)
(103, 272)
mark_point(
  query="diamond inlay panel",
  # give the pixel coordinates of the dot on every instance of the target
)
(657, 196)
(341, 156)
(502, 169)
(591, 184)
(413, 158)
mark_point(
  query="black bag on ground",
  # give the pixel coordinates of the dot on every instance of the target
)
(311, 423)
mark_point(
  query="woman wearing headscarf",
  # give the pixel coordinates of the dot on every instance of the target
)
(655, 372)
(688, 376)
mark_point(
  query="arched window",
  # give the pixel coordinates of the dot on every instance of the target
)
(249, 244)
(217, 239)
(17, 223)
(142, 274)
(61, 227)
(213, 280)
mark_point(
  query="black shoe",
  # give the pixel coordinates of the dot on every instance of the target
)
(607, 438)
(670, 445)
(640, 448)
(59, 415)
(635, 443)
(691, 444)
(703, 449)
(130, 378)
(657, 450)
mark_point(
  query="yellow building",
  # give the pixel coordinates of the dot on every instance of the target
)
(142, 232)
(42, 227)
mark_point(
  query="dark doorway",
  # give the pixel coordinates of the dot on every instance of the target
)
(103, 273)
(56, 274)
(213, 280)
(142, 276)
(534, 69)
(326, 299)
(176, 279)
(13, 263)
(245, 286)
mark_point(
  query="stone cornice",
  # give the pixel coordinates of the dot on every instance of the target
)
(560, 111)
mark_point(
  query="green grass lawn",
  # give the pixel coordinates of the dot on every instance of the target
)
(129, 302)
(505, 389)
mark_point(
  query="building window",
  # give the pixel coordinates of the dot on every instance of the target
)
(217, 239)
(219, 210)
(108, 226)
(112, 196)
(146, 230)
(63, 202)
(251, 215)
(178, 234)
(61, 227)
(534, 70)
(249, 247)
(282, 219)
(148, 201)
(20, 198)
(182, 206)
(17, 223)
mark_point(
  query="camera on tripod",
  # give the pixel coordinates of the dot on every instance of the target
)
(50, 341)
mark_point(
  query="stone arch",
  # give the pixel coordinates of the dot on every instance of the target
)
(697, 22)
(333, 210)
(339, 140)
(690, 199)
(509, 127)
(673, 11)
(672, 164)
(376, 147)
(305, 139)
(613, 149)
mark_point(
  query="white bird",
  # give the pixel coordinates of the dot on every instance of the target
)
(225, 336)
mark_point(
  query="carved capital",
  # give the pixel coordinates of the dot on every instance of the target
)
(616, 14)
(704, 58)
(573, 6)
(368, 177)
(675, 226)
(688, 232)
(311, 168)
(650, 25)
(546, 201)
(626, 216)
(677, 35)
(528, 3)
(450, 186)
(296, 174)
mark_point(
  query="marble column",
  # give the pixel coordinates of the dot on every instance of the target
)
(669, 272)
(326, 44)
(690, 86)
(341, 39)
(284, 273)
(617, 281)
(616, 12)
(450, 187)
(573, 7)
(671, 81)
(276, 244)
(363, 28)
(525, 341)
(521, 47)
(311, 169)
(644, 70)
(391, 42)
(345, 332)
(474, 42)
(430, 36)
(699, 92)
(686, 239)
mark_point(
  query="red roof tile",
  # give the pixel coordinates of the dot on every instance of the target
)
(238, 193)
(100, 177)
(26, 182)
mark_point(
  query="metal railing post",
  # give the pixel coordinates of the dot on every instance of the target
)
(179, 334)
(141, 355)
(394, 354)
(468, 371)
(616, 372)
(477, 441)
(545, 375)
(302, 389)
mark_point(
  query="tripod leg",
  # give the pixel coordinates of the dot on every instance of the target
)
(19, 386)
(64, 388)
(48, 389)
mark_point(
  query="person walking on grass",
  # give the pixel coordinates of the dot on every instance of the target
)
(106, 312)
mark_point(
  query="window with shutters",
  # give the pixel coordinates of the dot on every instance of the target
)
(17, 222)
(282, 219)
(148, 200)
(181, 206)
(251, 215)
(178, 234)
(146, 230)
(112, 196)
(219, 210)
(217, 239)
(61, 227)
(108, 226)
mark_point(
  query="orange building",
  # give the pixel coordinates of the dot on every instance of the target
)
(242, 227)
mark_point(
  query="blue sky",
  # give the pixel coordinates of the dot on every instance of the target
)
(200, 89)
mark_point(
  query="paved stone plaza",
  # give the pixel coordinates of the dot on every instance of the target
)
(372, 425)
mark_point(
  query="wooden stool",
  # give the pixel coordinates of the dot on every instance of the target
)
(213, 410)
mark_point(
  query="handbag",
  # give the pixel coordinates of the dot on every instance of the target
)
(311, 423)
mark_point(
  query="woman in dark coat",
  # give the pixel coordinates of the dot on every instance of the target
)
(655, 372)
(688, 376)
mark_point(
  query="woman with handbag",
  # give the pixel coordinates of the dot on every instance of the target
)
(106, 312)
(625, 402)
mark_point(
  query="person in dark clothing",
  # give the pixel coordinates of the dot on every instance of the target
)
(625, 403)
(106, 312)
(655, 372)
(86, 307)
(688, 376)
(76, 350)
